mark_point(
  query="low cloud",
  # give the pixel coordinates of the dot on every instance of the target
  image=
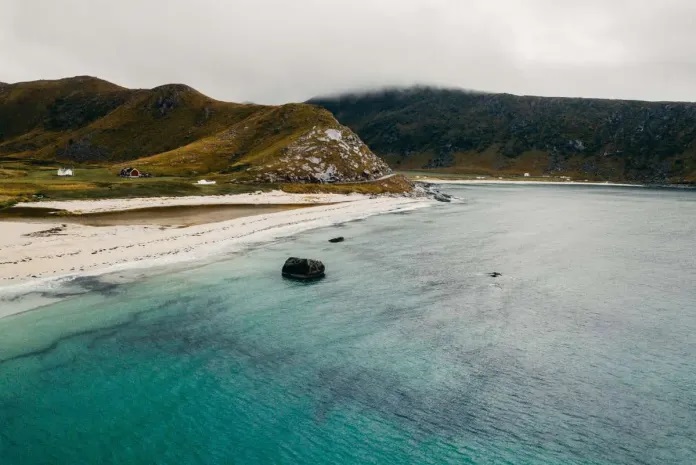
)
(274, 51)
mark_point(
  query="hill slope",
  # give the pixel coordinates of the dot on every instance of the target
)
(175, 130)
(460, 131)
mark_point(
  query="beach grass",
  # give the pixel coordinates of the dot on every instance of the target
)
(21, 182)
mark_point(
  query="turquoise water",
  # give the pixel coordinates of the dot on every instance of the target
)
(583, 352)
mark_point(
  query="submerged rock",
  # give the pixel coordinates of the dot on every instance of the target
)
(337, 239)
(495, 274)
(303, 269)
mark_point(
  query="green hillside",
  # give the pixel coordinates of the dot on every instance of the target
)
(499, 134)
(172, 131)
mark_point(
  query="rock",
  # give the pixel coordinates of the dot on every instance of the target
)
(495, 274)
(337, 239)
(303, 269)
(430, 191)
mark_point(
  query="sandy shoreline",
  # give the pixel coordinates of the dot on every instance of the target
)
(38, 255)
(535, 183)
(179, 216)
(258, 198)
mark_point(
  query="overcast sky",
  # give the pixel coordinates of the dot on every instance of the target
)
(275, 51)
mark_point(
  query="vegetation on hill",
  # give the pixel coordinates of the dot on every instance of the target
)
(500, 134)
(290, 143)
(170, 131)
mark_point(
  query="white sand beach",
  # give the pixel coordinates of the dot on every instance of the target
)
(34, 254)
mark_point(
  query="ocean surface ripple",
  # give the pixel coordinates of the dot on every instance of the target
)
(582, 352)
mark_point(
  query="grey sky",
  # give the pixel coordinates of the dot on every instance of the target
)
(274, 51)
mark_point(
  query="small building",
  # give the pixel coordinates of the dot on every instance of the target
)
(130, 173)
(65, 172)
(526, 175)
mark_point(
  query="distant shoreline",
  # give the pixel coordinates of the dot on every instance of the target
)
(445, 178)
(430, 180)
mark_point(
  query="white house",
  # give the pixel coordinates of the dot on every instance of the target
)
(526, 175)
(65, 172)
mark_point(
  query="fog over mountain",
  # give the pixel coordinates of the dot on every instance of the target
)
(274, 51)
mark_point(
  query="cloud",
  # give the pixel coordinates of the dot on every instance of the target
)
(273, 51)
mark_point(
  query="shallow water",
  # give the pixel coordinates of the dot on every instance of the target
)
(159, 216)
(582, 352)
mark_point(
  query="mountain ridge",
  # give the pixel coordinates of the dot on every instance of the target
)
(175, 130)
(463, 131)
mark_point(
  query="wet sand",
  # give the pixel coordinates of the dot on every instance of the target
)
(181, 216)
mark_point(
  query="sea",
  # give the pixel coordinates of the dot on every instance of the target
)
(582, 351)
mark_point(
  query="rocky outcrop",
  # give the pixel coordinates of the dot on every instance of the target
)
(430, 191)
(303, 269)
(325, 155)
(169, 97)
(440, 197)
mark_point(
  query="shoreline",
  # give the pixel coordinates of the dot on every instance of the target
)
(138, 203)
(39, 256)
(169, 216)
(533, 183)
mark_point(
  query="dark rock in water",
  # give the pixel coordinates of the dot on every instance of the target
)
(303, 268)
(440, 197)
(337, 239)
(495, 274)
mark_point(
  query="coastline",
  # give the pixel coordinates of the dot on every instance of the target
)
(38, 256)
(137, 203)
(428, 180)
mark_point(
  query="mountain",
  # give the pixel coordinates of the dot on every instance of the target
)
(176, 130)
(479, 133)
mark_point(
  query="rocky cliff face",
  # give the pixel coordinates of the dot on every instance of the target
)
(324, 154)
(454, 130)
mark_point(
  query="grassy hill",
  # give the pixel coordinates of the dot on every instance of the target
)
(173, 132)
(499, 134)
